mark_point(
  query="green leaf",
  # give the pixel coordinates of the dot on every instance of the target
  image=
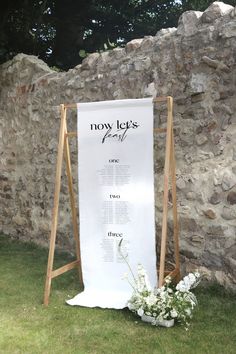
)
(82, 53)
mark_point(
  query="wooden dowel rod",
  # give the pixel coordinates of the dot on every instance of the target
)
(174, 202)
(160, 99)
(156, 99)
(159, 130)
(65, 268)
(165, 195)
(174, 273)
(166, 272)
(71, 134)
(70, 105)
(73, 203)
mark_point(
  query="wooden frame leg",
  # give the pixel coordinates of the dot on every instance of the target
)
(73, 206)
(175, 214)
(165, 196)
(55, 207)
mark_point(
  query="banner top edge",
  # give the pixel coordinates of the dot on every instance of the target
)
(115, 103)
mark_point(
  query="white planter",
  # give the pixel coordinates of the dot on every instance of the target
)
(146, 318)
(163, 323)
(166, 323)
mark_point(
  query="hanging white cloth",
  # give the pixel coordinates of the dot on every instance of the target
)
(116, 198)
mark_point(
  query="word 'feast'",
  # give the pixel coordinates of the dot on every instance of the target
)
(116, 131)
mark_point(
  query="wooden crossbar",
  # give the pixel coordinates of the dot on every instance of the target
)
(155, 100)
(169, 171)
(65, 268)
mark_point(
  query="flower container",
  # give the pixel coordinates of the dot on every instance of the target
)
(146, 318)
(166, 323)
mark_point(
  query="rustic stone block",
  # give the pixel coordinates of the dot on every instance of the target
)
(19, 220)
(201, 139)
(188, 22)
(215, 198)
(210, 214)
(228, 181)
(214, 11)
(228, 213)
(231, 197)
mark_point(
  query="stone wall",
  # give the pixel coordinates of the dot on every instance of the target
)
(196, 64)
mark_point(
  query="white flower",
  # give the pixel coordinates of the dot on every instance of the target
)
(182, 286)
(189, 279)
(150, 300)
(140, 312)
(188, 312)
(192, 277)
(173, 313)
(168, 280)
(143, 281)
(141, 270)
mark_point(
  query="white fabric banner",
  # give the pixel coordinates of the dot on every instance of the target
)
(116, 198)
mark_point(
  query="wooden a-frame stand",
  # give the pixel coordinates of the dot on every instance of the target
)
(169, 179)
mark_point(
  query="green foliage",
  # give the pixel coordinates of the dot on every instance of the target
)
(95, 25)
(82, 53)
(26, 326)
(25, 27)
(63, 32)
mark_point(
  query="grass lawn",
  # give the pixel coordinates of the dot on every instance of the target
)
(26, 326)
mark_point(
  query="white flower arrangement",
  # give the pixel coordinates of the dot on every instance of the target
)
(166, 303)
